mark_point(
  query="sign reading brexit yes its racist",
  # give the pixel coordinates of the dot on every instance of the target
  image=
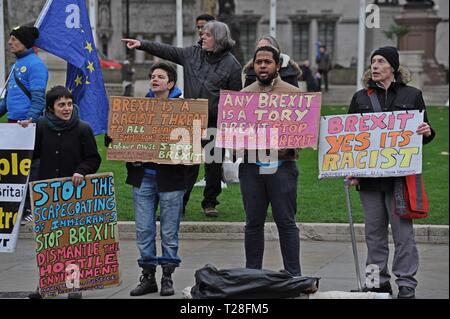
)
(157, 130)
(268, 120)
(77, 243)
(370, 145)
(16, 151)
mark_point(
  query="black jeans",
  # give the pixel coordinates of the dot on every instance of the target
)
(213, 178)
(324, 78)
(280, 190)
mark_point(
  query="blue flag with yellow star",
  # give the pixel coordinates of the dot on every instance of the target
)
(65, 31)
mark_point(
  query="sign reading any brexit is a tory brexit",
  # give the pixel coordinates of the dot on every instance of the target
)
(77, 244)
(268, 120)
(370, 145)
(166, 131)
(16, 152)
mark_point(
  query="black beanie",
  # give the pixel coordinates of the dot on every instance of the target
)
(25, 34)
(390, 54)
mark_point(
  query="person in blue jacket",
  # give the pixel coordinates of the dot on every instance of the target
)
(25, 88)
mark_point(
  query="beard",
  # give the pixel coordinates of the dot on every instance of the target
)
(268, 80)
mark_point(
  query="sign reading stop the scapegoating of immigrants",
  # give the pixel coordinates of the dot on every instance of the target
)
(16, 152)
(249, 120)
(370, 144)
(77, 245)
(166, 131)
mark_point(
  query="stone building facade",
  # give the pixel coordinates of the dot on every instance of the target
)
(300, 25)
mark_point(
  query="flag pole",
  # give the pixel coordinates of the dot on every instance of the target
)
(43, 13)
(2, 49)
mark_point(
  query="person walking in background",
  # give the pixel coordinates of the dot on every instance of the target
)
(127, 78)
(200, 22)
(323, 61)
(386, 83)
(207, 70)
(152, 184)
(289, 71)
(279, 188)
(308, 77)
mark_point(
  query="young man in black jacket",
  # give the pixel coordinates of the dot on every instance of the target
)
(387, 80)
(152, 184)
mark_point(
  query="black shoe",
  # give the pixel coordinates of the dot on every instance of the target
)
(384, 288)
(26, 217)
(167, 286)
(147, 285)
(35, 295)
(75, 295)
(406, 293)
(211, 212)
(166, 280)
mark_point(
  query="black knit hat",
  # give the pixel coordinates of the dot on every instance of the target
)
(26, 34)
(390, 54)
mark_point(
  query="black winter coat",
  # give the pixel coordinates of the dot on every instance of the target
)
(204, 74)
(169, 178)
(398, 97)
(63, 153)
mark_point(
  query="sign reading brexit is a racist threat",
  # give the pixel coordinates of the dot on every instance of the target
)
(77, 244)
(268, 120)
(370, 145)
(157, 130)
(16, 152)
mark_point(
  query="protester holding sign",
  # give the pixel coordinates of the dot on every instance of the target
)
(153, 183)
(386, 90)
(277, 185)
(207, 70)
(65, 144)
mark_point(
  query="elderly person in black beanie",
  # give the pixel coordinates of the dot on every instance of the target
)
(385, 82)
(25, 91)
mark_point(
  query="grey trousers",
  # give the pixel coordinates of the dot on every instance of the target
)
(378, 212)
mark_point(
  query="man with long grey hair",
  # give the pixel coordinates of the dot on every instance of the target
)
(207, 70)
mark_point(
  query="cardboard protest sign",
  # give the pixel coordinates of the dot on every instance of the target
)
(77, 244)
(268, 120)
(370, 145)
(156, 130)
(16, 152)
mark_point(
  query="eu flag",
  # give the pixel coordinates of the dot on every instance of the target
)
(65, 31)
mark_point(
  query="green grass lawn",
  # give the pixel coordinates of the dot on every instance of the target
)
(318, 201)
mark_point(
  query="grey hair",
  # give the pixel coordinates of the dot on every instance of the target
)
(273, 42)
(221, 34)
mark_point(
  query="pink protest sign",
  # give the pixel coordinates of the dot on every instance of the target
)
(268, 120)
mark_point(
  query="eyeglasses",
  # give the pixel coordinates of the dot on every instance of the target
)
(199, 27)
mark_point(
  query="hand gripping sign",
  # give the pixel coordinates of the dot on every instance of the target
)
(370, 145)
(77, 245)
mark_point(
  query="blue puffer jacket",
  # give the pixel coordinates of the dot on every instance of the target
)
(33, 73)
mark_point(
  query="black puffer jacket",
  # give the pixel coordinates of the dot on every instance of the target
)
(169, 178)
(398, 97)
(63, 152)
(204, 74)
